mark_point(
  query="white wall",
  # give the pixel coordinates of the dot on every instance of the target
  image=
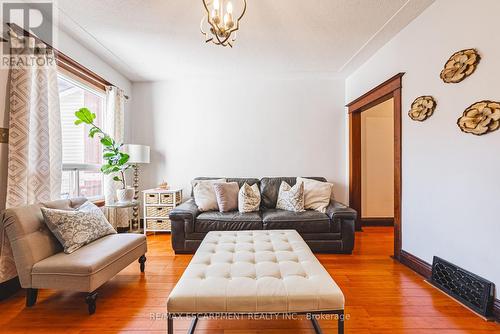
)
(451, 188)
(377, 161)
(241, 127)
(73, 49)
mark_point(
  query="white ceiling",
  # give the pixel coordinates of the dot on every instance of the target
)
(150, 40)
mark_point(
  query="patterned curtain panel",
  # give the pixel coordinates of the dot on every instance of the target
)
(115, 125)
(35, 160)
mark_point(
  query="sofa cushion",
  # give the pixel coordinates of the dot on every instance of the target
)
(291, 198)
(90, 266)
(240, 180)
(308, 221)
(76, 228)
(227, 221)
(269, 189)
(204, 194)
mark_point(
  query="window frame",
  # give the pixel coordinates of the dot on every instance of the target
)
(76, 168)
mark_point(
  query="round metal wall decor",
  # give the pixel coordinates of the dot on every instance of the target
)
(480, 118)
(422, 108)
(460, 65)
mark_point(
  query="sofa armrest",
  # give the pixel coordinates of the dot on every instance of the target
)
(187, 210)
(347, 218)
(182, 220)
(340, 210)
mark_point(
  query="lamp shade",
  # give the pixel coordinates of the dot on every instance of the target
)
(139, 154)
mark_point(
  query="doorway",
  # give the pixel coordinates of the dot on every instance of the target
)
(377, 161)
(365, 115)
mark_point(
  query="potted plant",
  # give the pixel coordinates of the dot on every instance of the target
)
(115, 161)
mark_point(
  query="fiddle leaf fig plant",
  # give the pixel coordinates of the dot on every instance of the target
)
(115, 159)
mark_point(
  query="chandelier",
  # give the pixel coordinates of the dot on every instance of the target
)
(218, 24)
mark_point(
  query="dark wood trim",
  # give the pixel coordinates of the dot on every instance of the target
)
(416, 264)
(67, 63)
(355, 165)
(379, 221)
(390, 88)
(423, 268)
(9, 288)
(385, 88)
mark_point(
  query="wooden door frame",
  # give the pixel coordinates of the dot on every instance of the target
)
(383, 92)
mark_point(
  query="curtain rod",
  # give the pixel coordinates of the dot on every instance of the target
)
(68, 63)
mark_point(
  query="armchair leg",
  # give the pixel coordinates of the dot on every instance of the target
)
(31, 295)
(142, 261)
(90, 299)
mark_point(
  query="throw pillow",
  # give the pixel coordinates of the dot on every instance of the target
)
(291, 198)
(316, 194)
(249, 198)
(227, 196)
(77, 228)
(204, 194)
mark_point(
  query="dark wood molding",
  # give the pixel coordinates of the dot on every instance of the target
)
(416, 264)
(390, 88)
(379, 221)
(384, 89)
(9, 288)
(355, 165)
(69, 64)
(4, 136)
(423, 268)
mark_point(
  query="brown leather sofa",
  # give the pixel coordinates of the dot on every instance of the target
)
(42, 264)
(330, 232)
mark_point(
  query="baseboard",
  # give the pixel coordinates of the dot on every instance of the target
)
(8, 288)
(423, 268)
(379, 221)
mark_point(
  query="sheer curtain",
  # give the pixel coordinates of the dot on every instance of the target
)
(35, 159)
(115, 125)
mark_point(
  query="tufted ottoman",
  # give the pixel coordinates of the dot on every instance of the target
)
(255, 272)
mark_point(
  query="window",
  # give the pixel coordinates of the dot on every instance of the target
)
(81, 155)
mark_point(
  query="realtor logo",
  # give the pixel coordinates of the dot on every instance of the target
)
(35, 17)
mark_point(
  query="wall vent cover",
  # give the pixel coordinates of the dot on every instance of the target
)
(473, 291)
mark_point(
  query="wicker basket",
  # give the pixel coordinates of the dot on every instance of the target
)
(158, 224)
(167, 198)
(151, 198)
(158, 211)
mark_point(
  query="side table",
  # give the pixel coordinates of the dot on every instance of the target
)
(115, 207)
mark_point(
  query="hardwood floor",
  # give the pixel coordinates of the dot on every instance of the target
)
(382, 296)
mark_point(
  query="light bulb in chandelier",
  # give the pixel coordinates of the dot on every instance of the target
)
(218, 25)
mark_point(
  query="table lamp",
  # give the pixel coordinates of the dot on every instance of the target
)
(139, 154)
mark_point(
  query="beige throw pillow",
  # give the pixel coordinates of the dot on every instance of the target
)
(227, 196)
(204, 194)
(291, 198)
(317, 194)
(249, 198)
(77, 228)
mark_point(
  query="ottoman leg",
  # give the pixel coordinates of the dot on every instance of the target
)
(170, 325)
(341, 322)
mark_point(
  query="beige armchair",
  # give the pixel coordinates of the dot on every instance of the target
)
(41, 263)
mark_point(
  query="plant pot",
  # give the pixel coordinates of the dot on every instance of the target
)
(125, 195)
